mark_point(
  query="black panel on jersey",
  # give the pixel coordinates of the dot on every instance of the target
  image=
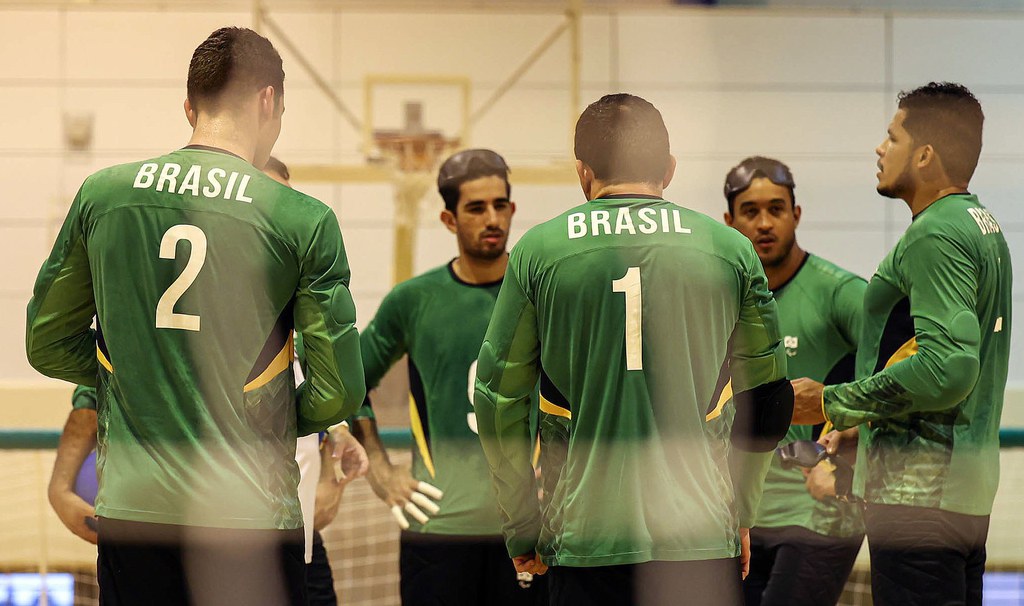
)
(549, 392)
(762, 416)
(724, 376)
(899, 328)
(276, 341)
(100, 342)
(420, 397)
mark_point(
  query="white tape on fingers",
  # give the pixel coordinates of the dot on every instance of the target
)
(416, 513)
(430, 490)
(430, 506)
(396, 512)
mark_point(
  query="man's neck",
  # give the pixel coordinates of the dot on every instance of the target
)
(480, 271)
(783, 272)
(600, 190)
(225, 134)
(925, 197)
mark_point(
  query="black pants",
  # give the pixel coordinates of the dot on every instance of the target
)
(455, 570)
(793, 566)
(696, 583)
(319, 580)
(158, 564)
(925, 556)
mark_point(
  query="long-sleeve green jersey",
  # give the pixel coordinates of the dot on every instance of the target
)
(932, 364)
(626, 308)
(820, 311)
(439, 321)
(197, 268)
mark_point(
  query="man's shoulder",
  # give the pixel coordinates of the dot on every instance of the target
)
(829, 274)
(425, 283)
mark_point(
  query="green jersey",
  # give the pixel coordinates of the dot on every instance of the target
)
(820, 310)
(83, 398)
(439, 321)
(197, 268)
(627, 308)
(932, 364)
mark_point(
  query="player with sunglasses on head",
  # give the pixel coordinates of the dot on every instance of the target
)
(804, 546)
(451, 550)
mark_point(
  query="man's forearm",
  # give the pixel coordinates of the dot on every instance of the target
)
(76, 442)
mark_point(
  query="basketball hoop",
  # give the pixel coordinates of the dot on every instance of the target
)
(413, 149)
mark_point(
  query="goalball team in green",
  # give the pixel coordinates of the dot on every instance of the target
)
(646, 358)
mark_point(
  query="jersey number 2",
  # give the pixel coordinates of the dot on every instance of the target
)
(165, 315)
(629, 285)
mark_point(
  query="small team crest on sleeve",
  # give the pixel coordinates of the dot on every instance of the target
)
(790, 343)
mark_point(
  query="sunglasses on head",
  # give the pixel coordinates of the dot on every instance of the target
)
(468, 162)
(739, 178)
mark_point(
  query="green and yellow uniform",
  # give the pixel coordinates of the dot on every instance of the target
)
(439, 321)
(626, 308)
(820, 311)
(932, 364)
(197, 268)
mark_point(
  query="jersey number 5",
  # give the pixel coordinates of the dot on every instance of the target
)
(629, 285)
(165, 315)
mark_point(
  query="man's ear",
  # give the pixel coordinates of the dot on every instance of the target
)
(448, 218)
(268, 103)
(586, 176)
(670, 171)
(727, 217)
(190, 113)
(797, 211)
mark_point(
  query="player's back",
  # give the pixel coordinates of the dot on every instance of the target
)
(195, 260)
(638, 301)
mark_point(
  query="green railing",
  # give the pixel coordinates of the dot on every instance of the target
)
(393, 437)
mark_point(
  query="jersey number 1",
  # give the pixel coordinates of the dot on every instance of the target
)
(629, 285)
(165, 315)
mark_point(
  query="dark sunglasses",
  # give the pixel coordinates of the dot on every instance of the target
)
(739, 178)
(465, 163)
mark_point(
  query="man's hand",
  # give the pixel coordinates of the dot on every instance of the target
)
(834, 441)
(807, 408)
(821, 481)
(347, 450)
(529, 562)
(404, 493)
(745, 551)
(73, 511)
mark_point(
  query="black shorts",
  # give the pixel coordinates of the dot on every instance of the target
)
(319, 579)
(793, 566)
(158, 564)
(458, 570)
(925, 556)
(696, 583)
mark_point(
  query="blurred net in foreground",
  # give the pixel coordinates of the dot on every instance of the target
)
(363, 541)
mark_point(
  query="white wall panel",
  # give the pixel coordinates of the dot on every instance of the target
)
(971, 50)
(783, 123)
(314, 35)
(1004, 129)
(760, 49)
(29, 246)
(30, 188)
(32, 118)
(41, 58)
(366, 203)
(142, 120)
(139, 45)
(12, 354)
(369, 253)
(484, 46)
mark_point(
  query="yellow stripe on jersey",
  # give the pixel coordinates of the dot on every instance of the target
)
(421, 439)
(281, 362)
(551, 408)
(722, 399)
(536, 452)
(905, 351)
(103, 360)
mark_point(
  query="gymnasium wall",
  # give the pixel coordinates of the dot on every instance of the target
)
(813, 88)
